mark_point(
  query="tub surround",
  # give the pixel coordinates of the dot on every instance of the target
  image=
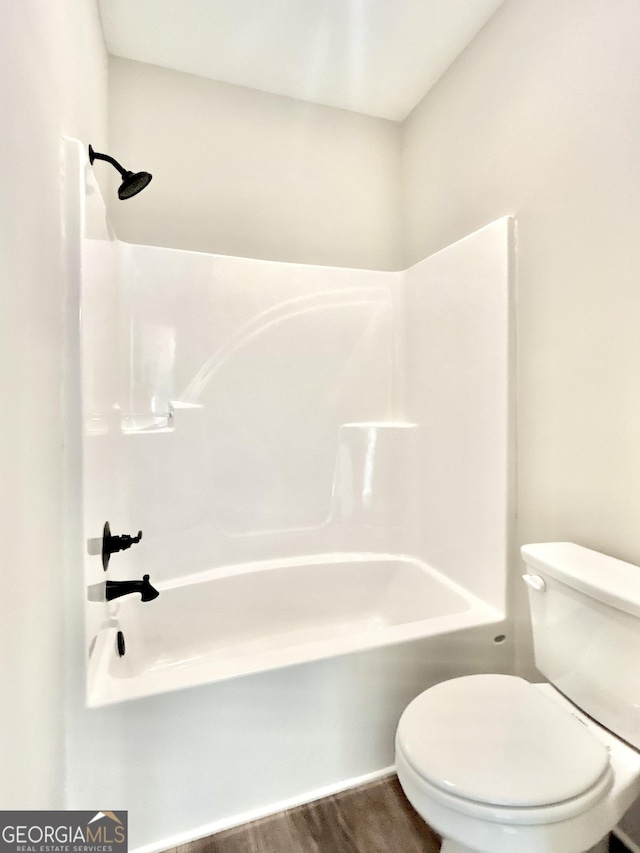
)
(262, 411)
(243, 413)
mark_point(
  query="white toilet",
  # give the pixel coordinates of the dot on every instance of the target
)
(499, 765)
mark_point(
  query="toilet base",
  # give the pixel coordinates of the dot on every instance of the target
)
(449, 846)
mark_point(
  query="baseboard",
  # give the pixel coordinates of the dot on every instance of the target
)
(256, 814)
(630, 845)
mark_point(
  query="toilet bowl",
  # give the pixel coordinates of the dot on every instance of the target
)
(496, 764)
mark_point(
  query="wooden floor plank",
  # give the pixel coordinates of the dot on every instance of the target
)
(323, 824)
(374, 818)
(380, 819)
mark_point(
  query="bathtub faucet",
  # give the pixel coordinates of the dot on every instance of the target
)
(116, 589)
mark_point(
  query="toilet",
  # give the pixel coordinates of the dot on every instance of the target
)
(499, 765)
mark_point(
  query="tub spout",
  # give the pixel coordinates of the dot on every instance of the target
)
(116, 589)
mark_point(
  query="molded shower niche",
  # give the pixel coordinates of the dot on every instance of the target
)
(375, 482)
(320, 459)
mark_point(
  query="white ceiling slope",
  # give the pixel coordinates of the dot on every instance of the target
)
(378, 57)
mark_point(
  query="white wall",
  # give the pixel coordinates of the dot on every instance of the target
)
(54, 82)
(540, 118)
(241, 172)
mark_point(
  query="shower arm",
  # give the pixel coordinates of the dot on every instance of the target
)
(95, 155)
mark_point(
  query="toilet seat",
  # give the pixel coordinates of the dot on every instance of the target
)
(498, 747)
(505, 815)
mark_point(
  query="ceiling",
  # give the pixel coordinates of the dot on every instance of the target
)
(377, 57)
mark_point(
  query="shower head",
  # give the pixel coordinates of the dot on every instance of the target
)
(132, 182)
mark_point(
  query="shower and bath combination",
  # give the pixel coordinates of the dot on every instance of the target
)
(132, 182)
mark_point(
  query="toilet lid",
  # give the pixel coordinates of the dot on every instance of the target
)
(497, 739)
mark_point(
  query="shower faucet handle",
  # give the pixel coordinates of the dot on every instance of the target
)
(112, 544)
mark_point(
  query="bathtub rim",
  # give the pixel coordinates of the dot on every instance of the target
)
(104, 688)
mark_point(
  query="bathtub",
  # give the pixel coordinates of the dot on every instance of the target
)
(233, 621)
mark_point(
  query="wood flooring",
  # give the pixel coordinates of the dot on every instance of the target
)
(374, 818)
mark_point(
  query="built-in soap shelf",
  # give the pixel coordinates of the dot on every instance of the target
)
(152, 422)
(148, 422)
(138, 423)
(373, 474)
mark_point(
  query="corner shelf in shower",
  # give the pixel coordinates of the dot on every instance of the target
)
(149, 422)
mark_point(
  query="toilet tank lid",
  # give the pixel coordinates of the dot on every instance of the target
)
(599, 576)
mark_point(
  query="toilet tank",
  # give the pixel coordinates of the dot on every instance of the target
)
(585, 613)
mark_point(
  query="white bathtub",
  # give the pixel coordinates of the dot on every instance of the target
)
(234, 621)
